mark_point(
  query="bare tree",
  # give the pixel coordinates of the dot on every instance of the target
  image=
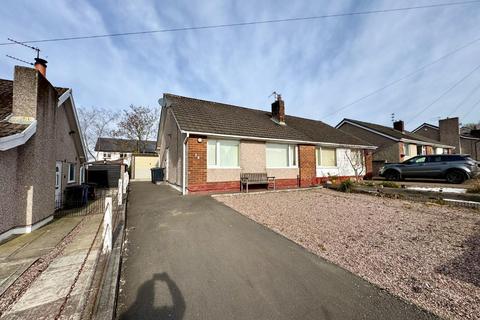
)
(96, 122)
(355, 158)
(138, 123)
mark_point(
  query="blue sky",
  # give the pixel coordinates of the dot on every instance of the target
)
(317, 66)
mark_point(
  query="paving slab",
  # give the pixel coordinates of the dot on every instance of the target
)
(45, 296)
(19, 253)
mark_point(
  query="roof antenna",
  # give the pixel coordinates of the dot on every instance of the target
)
(392, 115)
(40, 64)
(37, 50)
(277, 96)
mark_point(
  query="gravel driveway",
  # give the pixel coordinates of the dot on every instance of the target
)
(427, 254)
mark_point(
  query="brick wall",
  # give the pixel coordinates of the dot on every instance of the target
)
(307, 165)
(368, 164)
(197, 161)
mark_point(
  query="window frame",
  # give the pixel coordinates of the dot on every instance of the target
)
(70, 165)
(218, 162)
(290, 156)
(82, 174)
(318, 156)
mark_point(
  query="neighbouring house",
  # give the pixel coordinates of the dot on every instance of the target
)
(111, 149)
(448, 131)
(206, 145)
(41, 149)
(395, 144)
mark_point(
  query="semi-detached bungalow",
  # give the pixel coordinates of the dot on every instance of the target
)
(394, 144)
(206, 145)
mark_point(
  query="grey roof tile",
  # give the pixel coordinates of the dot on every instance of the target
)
(124, 145)
(197, 115)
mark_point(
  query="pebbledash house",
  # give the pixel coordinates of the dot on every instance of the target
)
(206, 146)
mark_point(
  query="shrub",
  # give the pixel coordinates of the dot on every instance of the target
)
(346, 186)
(389, 184)
(475, 188)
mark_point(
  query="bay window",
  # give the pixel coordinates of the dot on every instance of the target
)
(223, 153)
(326, 157)
(281, 155)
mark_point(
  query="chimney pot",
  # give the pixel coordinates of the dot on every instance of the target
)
(278, 110)
(399, 125)
(41, 66)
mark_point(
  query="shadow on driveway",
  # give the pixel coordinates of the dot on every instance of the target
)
(145, 301)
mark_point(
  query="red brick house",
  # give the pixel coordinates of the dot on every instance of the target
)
(206, 146)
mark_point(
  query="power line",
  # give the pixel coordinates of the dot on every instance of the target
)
(249, 23)
(471, 109)
(408, 75)
(456, 84)
(455, 109)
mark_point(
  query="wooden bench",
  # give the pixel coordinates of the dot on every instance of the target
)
(247, 179)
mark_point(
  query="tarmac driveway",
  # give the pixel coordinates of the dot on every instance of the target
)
(194, 258)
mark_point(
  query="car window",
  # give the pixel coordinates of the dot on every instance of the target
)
(416, 160)
(435, 159)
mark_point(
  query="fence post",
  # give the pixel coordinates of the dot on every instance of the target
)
(120, 192)
(107, 226)
(125, 182)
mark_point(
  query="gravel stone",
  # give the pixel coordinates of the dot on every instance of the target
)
(425, 253)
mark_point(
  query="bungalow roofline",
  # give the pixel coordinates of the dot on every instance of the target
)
(420, 142)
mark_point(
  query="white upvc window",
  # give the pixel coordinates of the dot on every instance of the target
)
(326, 157)
(82, 174)
(71, 172)
(281, 155)
(406, 149)
(223, 153)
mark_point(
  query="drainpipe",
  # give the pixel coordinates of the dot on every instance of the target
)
(183, 163)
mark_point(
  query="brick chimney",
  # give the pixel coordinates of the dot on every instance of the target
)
(450, 132)
(41, 66)
(399, 125)
(278, 110)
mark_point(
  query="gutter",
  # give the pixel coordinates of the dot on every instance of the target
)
(183, 163)
(329, 144)
(18, 139)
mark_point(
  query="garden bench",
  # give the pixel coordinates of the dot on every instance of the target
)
(247, 179)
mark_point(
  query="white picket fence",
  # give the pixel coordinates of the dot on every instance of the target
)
(108, 213)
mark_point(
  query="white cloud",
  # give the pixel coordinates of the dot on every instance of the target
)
(318, 66)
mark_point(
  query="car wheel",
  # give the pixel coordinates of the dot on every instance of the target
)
(455, 176)
(392, 175)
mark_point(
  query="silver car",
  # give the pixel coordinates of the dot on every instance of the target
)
(455, 168)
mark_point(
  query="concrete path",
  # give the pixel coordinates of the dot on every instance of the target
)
(18, 254)
(47, 293)
(194, 258)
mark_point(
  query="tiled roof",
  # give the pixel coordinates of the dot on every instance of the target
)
(203, 116)
(124, 145)
(6, 98)
(392, 132)
(8, 129)
(61, 91)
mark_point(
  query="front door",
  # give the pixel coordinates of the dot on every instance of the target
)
(58, 184)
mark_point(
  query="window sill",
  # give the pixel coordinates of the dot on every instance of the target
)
(282, 168)
(70, 182)
(224, 168)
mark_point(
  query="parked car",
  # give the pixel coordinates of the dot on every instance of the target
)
(454, 168)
